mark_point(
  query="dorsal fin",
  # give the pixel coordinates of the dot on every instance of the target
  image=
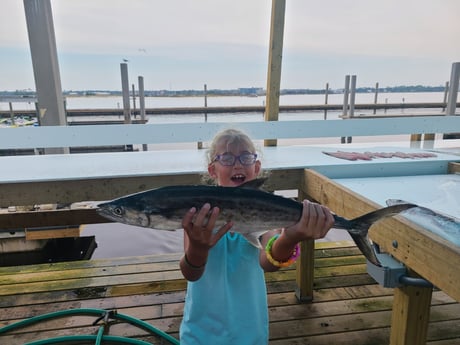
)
(253, 184)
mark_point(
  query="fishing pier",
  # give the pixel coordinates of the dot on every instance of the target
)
(337, 301)
(331, 295)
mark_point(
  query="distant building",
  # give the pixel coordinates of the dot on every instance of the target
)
(251, 91)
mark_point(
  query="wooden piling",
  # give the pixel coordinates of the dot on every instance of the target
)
(326, 95)
(376, 94)
(142, 105)
(274, 64)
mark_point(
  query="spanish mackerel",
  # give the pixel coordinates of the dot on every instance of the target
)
(252, 210)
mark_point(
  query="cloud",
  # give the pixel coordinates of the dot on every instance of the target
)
(185, 43)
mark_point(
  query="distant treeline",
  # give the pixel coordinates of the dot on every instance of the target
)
(250, 91)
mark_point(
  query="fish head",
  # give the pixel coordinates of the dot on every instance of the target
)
(121, 213)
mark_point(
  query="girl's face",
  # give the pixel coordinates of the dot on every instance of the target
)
(237, 173)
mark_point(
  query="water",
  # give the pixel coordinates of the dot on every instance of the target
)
(113, 102)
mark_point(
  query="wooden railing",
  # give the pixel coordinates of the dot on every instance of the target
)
(96, 135)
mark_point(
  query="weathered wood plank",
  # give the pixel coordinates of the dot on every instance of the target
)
(108, 267)
(310, 313)
(94, 263)
(87, 189)
(293, 329)
(349, 308)
(379, 336)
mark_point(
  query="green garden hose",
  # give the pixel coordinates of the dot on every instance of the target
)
(103, 315)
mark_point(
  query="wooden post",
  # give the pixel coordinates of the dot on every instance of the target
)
(453, 89)
(142, 105)
(346, 90)
(415, 141)
(126, 103)
(11, 113)
(125, 92)
(42, 42)
(352, 95)
(376, 96)
(352, 102)
(274, 64)
(444, 100)
(205, 103)
(410, 315)
(326, 95)
(200, 143)
(305, 272)
(134, 100)
(305, 265)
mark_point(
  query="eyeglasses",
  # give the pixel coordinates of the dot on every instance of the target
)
(229, 159)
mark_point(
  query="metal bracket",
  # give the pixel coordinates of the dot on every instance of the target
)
(393, 273)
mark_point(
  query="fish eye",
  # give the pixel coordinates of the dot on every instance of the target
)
(118, 211)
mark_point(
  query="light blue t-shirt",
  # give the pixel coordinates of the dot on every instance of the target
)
(228, 304)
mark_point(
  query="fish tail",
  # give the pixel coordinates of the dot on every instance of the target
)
(366, 247)
(364, 222)
(359, 227)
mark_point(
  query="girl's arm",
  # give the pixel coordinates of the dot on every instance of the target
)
(315, 222)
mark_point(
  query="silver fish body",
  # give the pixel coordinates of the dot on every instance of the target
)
(443, 225)
(253, 211)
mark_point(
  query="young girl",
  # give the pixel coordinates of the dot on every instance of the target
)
(226, 301)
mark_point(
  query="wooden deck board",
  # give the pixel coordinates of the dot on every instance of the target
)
(348, 307)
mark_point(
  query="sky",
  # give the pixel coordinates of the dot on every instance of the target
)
(184, 44)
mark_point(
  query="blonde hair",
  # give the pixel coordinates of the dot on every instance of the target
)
(229, 136)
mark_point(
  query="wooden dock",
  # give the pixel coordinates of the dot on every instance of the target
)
(349, 308)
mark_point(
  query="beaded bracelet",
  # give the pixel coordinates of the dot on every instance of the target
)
(268, 251)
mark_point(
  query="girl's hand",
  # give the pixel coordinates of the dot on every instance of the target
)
(315, 222)
(199, 237)
(199, 228)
